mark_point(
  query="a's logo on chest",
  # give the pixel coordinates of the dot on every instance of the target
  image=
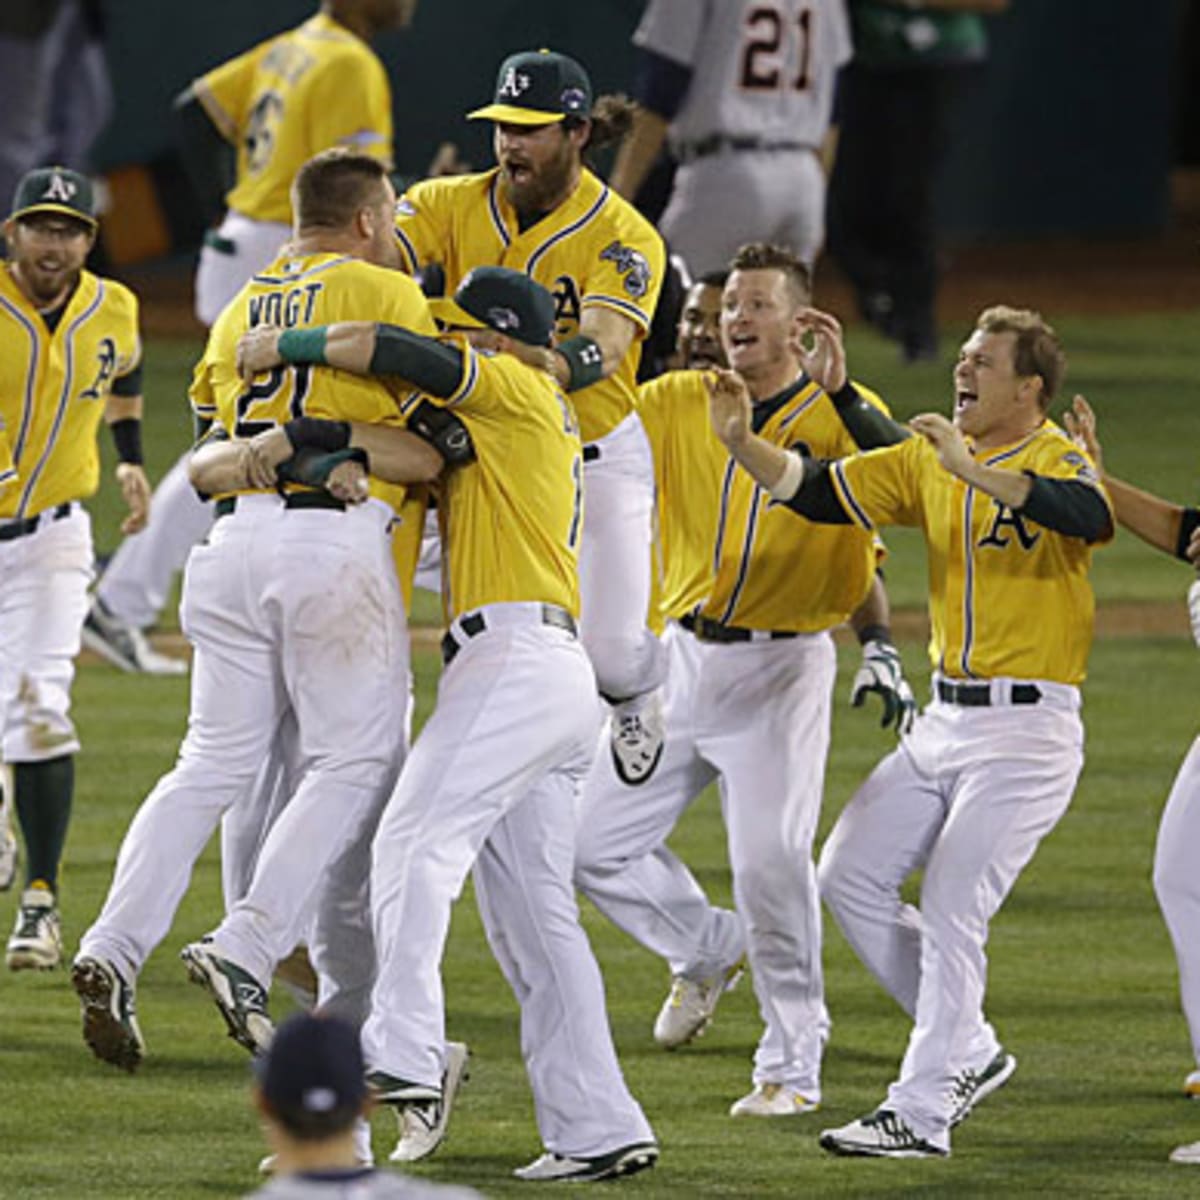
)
(566, 301)
(106, 364)
(1004, 518)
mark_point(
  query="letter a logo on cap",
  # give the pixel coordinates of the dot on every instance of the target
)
(59, 189)
(515, 82)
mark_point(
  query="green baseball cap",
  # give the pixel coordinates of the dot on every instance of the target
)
(502, 299)
(58, 190)
(537, 87)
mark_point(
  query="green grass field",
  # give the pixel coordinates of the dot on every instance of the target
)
(1082, 986)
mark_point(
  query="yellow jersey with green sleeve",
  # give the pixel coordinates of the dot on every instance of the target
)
(511, 519)
(299, 292)
(312, 88)
(53, 389)
(790, 578)
(1007, 597)
(594, 251)
(689, 466)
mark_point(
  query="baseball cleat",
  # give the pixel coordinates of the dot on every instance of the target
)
(124, 645)
(1191, 1086)
(1189, 1154)
(688, 1011)
(882, 1134)
(968, 1087)
(239, 997)
(628, 1160)
(773, 1100)
(36, 942)
(106, 1003)
(423, 1112)
(637, 738)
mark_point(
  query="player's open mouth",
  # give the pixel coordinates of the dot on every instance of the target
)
(517, 172)
(738, 340)
(963, 400)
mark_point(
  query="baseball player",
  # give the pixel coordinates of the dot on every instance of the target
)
(752, 596)
(1010, 518)
(1172, 529)
(743, 95)
(70, 353)
(292, 604)
(493, 779)
(316, 86)
(542, 211)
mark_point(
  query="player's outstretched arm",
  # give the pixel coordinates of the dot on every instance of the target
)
(1158, 522)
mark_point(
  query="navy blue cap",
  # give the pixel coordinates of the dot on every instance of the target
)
(313, 1075)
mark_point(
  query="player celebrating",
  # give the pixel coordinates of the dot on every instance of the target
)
(543, 212)
(1010, 517)
(753, 596)
(245, 128)
(494, 777)
(71, 354)
(1172, 529)
(292, 604)
(744, 93)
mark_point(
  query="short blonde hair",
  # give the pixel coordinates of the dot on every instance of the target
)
(1036, 351)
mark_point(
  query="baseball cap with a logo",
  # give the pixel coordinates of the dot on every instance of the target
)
(502, 299)
(58, 190)
(537, 87)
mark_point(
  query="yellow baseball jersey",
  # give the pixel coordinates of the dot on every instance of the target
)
(511, 520)
(296, 292)
(1007, 597)
(53, 388)
(594, 250)
(795, 577)
(689, 466)
(314, 87)
(407, 532)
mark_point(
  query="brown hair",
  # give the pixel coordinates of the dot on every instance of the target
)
(1036, 350)
(763, 256)
(612, 119)
(333, 186)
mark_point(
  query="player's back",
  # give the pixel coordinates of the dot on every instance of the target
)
(309, 89)
(299, 292)
(513, 517)
(762, 71)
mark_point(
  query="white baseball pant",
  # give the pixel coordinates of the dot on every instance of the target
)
(284, 607)
(721, 201)
(755, 716)
(614, 563)
(1177, 885)
(492, 782)
(43, 602)
(968, 795)
(240, 249)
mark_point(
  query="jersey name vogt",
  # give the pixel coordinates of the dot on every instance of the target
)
(314, 289)
(1007, 597)
(593, 250)
(53, 387)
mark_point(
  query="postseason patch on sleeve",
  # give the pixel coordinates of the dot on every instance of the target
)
(632, 265)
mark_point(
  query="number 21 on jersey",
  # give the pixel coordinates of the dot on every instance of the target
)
(765, 57)
(272, 401)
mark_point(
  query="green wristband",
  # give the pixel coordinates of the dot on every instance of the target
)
(585, 360)
(303, 345)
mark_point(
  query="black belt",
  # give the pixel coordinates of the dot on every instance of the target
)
(591, 452)
(715, 142)
(979, 695)
(228, 504)
(28, 525)
(708, 630)
(473, 624)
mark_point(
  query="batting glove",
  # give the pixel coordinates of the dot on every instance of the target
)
(1194, 609)
(882, 672)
